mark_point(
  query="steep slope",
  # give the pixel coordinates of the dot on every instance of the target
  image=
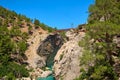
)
(66, 65)
(19, 39)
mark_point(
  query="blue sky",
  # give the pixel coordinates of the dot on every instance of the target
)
(55, 13)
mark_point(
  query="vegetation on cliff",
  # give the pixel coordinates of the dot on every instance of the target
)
(11, 54)
(100, 49)
(14, 31)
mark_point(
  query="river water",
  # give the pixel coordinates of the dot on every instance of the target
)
(49, 65)
(50, 77)
(47, 78)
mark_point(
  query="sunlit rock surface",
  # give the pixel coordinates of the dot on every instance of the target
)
(66, 66)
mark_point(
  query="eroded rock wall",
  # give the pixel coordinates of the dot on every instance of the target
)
(49, 48)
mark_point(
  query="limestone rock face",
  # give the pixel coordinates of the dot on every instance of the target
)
(31, 53)
(66, 62)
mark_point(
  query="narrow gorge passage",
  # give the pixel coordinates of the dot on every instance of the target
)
(48, 50)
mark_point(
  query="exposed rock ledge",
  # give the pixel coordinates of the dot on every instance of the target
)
(66, 66)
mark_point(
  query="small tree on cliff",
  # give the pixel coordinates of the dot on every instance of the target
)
(36, 22)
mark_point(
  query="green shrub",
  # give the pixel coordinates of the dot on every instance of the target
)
(13, 70)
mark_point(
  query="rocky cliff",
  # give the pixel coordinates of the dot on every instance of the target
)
(66, 61)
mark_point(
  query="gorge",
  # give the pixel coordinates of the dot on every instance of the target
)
(56, 55)
(48, 49)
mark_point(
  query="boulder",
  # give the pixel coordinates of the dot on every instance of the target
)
(46, 73)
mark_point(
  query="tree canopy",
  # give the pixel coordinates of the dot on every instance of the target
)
(99, 46)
